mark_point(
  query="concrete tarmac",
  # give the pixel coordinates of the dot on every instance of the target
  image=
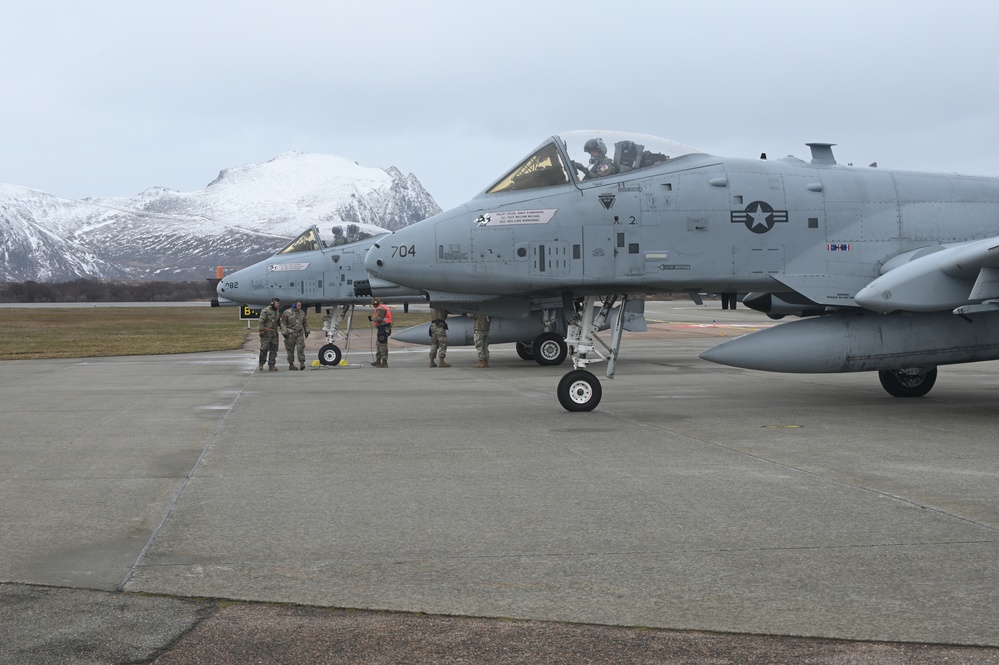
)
(142, 494)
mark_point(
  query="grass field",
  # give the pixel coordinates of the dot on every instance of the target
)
(88, 332)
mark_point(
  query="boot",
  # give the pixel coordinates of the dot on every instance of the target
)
(292, 368)
(301, 367)
(482, 363)
(272, 368)
(433, 364)
(377, 363)
(383, 364)
(260, 367)
(444, 363)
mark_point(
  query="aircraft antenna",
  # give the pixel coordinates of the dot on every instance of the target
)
(822, 153)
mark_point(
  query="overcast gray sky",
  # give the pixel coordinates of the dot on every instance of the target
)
(111, 97)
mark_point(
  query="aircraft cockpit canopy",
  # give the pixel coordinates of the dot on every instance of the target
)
(344, 234)
(544, 168)
(341, 234)
(308, 241)
(584, 155)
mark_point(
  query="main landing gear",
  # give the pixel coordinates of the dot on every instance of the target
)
(330, 353)
(579, 390)
(547, 349)
(912, 382)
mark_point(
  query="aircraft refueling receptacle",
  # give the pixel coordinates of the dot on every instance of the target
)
(892, 271)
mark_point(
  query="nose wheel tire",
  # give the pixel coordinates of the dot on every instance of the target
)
(525, 351)
(549, 349)
(330, 355)
(579, 390)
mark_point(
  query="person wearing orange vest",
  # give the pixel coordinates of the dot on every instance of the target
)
(382, 318)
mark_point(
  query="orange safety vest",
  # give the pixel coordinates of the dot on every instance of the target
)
(388, 314)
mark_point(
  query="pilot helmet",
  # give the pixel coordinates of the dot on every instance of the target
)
(595, 145)
(375, 302)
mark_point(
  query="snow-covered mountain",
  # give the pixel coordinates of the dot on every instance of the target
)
(244, 215)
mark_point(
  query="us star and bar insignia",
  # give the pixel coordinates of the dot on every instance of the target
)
(759, 216)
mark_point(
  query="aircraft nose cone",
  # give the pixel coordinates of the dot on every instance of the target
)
(375, 260)
(228, 286)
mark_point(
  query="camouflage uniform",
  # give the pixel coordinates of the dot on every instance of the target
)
(383, 323)
(438, 337)
(481, 328)
(268, 327)
(296, 329)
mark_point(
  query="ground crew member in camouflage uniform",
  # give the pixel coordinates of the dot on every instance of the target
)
(268, 326)
(438, 337)
(481, 329)
(296, 329)
(382, 318)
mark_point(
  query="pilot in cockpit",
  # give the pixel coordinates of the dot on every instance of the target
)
(601, 165)
(338, 238)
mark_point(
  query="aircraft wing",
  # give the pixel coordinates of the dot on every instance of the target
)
(962, 276)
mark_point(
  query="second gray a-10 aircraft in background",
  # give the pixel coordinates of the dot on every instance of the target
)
(319, 271)
(894, 271)
(328, 271)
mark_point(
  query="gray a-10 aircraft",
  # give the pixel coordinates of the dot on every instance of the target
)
(331, 273)
(897, 271)
(318, 272)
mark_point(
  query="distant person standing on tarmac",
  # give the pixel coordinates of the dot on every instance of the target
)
(268, 326)
(438, 337)
(382, 319)
(481, 328)
(296, 329)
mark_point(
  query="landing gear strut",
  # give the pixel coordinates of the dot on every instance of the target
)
(579, 390)
(330, 353)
